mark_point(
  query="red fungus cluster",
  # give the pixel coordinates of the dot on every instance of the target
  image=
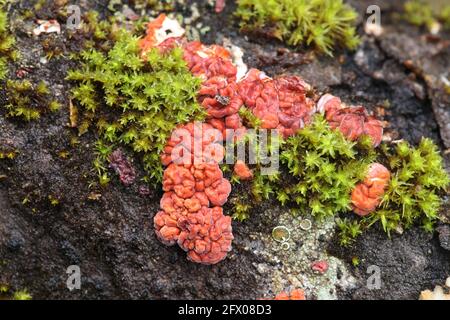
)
(193, 182)
(367, 195)
(296, 294)
(352, 121)
(195, 189)
(280, 103)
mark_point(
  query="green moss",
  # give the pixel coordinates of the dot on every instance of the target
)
(445, 17)
(324, 168)
(349, 230)
(413, 195)
(421, 14)
(135, 102)
(94, 33)
(321, 23)
(241, 209)
(7, 42)
(54, 201)
(27, 101)
(8, 153)
(4, 288)
(22, 295)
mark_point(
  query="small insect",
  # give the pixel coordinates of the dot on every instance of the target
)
(223, 100)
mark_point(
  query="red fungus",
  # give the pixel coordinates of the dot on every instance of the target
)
(280, 104)
(367, 195)
(296, 108)
(209, 61)
(259, 94)
(205, 175)
(296, 294)
(320, 266)
(171, 203)
(220, 97)
(180, 180)
(218, 192)
(242, 170)
(166, 227)
(351, 121)
(194, 143)
(193, 180)
(206, 235)
(220, 5)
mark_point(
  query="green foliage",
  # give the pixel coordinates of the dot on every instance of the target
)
(241, 209)
(324, 168)
(445, 17)
(7, 42)
(418, 177)
(22, 295)
(28, 101)
(249, 119)
(7, 152)
(136, 102)
(348, 230)
(321, 23)
(95, 33)
(421, 14)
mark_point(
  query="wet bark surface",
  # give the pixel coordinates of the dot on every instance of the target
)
(108, 232)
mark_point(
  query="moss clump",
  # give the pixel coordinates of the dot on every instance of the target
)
(320, 169)
(349, 230)
(28, 101)
(22, 295)
(7, 42)
(321, 23)
(324, 168)
(421, 14)
(10, 154)
(135, 102)
(241, 208)
(418, 178)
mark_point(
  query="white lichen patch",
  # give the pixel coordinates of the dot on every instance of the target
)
(289, 263)
(170, 29)
(238, 55)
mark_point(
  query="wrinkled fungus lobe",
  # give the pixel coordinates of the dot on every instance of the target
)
(242, 170)
(280, 103)
(352, 121)
(194, 143)
(206, 235)
(367, 195)
(296, 294)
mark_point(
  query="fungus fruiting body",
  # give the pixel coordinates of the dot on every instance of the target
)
(296, 294)
(366, 196)
(279, 103)
(352, 121)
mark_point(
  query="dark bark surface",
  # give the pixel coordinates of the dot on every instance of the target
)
(112, 238)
